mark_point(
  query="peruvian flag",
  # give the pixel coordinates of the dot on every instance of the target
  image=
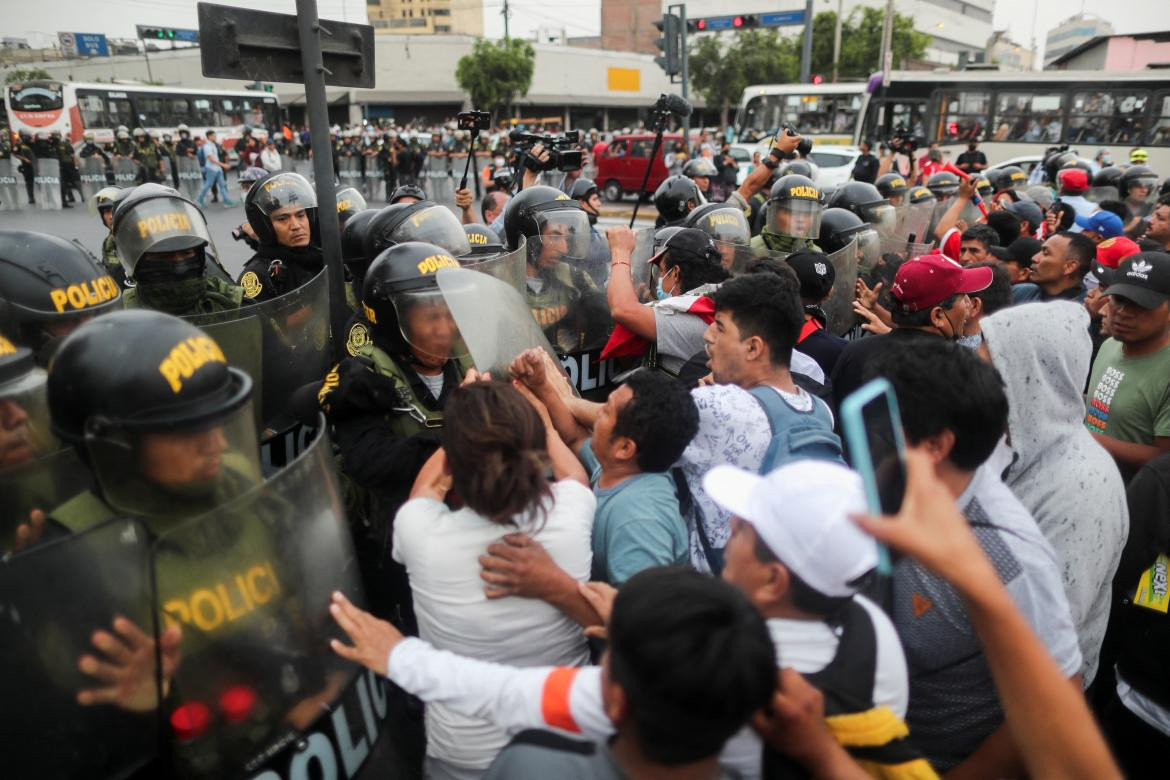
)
(625, 343)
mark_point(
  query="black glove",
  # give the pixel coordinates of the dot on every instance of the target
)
(354, 387)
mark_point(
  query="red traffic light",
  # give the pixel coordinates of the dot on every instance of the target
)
(737, 21)
(818, 80)
(701, 24)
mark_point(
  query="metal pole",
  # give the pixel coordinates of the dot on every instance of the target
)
(837, 41)
(505, 13)
(145, 56)
(686, 74)
(318, 115)
(806, 49)
(887, 43)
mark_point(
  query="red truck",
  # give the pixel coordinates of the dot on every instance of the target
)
(621, 166)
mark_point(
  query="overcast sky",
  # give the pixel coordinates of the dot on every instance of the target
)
(41, 21)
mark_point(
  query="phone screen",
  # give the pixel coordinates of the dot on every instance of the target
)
(882, 436)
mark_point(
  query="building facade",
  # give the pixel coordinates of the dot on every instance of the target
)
(1118, 52)
(1071, 33)
(426, 17)
(1007, 54)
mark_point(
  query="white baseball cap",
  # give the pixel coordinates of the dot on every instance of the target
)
(801, 512)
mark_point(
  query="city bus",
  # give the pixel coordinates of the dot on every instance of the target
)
(1017, 115)
(824, 113)
(72, 108)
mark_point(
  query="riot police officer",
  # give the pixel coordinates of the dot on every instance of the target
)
(565, 299)
(585, 192)
(1105, 184)
(282, 210)
(147, 156)
(892, 187)
(866, 201)
(48, 286)
(1138, 187)
(353, 256)
(675, 198)
(726, 224)
(406, 193)
(349, 202)
(163, 242)
(69, 177)
(22, 150)
(107, 199)
(90, 149)
(168, 150)
(185, 146)
(123, 146)
(793, 217)
(484, 243)
(701, 170)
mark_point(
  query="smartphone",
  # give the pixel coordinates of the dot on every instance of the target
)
(877, 449)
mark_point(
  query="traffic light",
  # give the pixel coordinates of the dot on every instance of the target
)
(745, 21)
(670, 44)
(157, 33)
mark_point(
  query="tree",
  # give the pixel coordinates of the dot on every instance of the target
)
(861, 42)
(720, 70)
(495, 74)
(19, 75)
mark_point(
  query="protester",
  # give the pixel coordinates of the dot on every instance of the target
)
(1016, 258)
(1059, 269)
(995, 297)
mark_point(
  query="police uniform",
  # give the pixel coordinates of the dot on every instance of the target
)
(70, 179)
(147, 156)
(562, 306)
(169, 149)
(275, 269)
(218, 296)
(24, 152)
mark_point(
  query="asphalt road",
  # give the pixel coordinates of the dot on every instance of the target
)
(85, 226)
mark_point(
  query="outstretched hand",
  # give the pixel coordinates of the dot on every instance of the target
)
(372, 639)
(124, 666)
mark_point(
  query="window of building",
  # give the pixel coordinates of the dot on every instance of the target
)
(1029, 116)
(1106, 117)
(962, 116)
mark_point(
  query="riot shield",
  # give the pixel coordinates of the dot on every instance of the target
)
(190, 177)
(304, 168)
(56, 596)
(349, 172)
(93, 178)
(48, 184)
(1098, 193)
(11, 185)
(249, 585)
(904, 249)
(838, 307)
(494, 319)
(736, 258)
(971, 214)
(283, 343)
(914, 220)
(644, 275)
(43, 483)
(509, 267)
(374, 180)
(126, 172)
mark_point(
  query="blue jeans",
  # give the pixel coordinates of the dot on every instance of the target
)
(211, 176)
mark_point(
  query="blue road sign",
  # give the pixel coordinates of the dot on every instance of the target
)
(720, 23)
(91, 44)
(782, 19)
(191, 36)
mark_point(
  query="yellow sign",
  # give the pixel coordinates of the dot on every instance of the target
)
(84, 295)
(624, 79)
(188, 356)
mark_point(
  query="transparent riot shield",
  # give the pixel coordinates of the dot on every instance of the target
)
(643, 274)
(736, 258)
(56, 596)
(971, 214)
(92, 172)
(494, 319)
(509, 267)
(304, 168)
(283, 343)
(373, 185)
(40, 484)
(914, 221)
(190, 176)
(12, 193)
(349, 172)
(838, 307)
(249, 585)
(904, 249)
(48, 184)
(126, 172)
(1098, 193)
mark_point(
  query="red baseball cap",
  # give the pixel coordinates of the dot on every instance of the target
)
(925, 282)
(1112, 251)
(1073, 180)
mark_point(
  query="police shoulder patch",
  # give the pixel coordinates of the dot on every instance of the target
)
(359, 336)
(251, 284)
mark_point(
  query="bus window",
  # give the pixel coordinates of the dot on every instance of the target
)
(1106, 117)
(92, 106)
(29, 97)
(1027, 116)
(201, 113)
(253, 116)
(885, 117)
(229, 112)
(845, 111)
(1160, 132)
(177, 112)
(963, 116)
(150, 110)
(119, 111)
(809, 114)
(760, 117)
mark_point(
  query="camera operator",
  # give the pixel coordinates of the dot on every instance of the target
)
(540, 157)
(900, 160)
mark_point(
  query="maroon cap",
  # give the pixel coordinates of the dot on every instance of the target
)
(1073, 180)
(925, 282)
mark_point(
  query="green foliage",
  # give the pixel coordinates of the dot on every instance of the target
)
(861, 42)
(495, 74)
(19, 75)
(720, 69)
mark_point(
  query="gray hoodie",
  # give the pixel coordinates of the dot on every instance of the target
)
(1066, 480)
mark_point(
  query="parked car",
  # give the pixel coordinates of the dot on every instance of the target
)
(622, 164)
(1025, 163)
(834, 164)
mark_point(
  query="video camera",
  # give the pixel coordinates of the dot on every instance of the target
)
(562, 156)
(474, 120)
(803, 147)
(902, 142)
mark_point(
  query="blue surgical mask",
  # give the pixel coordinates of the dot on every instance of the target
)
(970, 342)
(661, 293)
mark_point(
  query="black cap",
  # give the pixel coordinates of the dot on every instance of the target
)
(815, 272)
(690, 241)
(1020, 251)
(1143, 278)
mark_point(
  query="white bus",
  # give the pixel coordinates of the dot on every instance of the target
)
(73, 108)
(1017, 115)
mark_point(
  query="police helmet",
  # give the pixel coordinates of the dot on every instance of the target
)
(891, 185)
(398, 279)
(1054, 160)
(583, 189)
(407, 191)
(136, 372)
(349, 202)
(182, 128)
(838, 227)
(152, 218)
(921, 195)
(723, 222)
(26, 421)
(528, 212)
(794, 207)
(1105, 183)
(1009, 177)
(1079, 163)
(423, 221)
(983, 187)
(138, 132)
(866, 202)
(484, 242)
(673, 196)
(353, 248)
(123, 129)
(123, 135)
(798, 167)
(107, 198)
(943, 184)
(1136, 176)
(279, 190)
(700, 166)
(87, 135)
(46, 280)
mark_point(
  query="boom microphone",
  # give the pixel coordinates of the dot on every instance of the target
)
(673, 104)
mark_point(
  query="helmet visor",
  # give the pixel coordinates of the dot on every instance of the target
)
(882, 216)
(176, 472)
(726, 225)
(433, 225)
(564, 235)
(160, 225)
(1102, 192)
(284, 190)
(24, 421)
(914, 220)
(427, 325)
(795, 218)
(1143, 189)
(349, 202)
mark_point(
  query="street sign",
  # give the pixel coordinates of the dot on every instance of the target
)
(782, 19)
(239, 43)
(92, 44)
(68, 44)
